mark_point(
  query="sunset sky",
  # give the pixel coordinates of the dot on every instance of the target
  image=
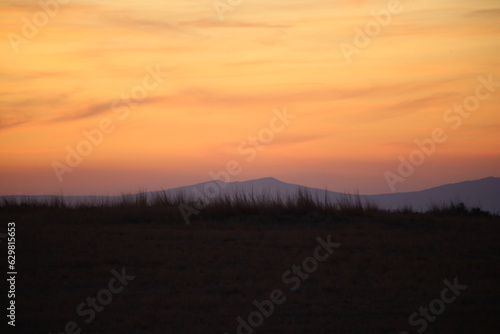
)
(223, 81)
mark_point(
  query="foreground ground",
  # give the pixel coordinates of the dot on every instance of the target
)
(199, 278)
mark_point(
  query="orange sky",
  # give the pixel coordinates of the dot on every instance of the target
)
(222, 81)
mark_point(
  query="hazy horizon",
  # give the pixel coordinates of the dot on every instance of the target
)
(352, 190)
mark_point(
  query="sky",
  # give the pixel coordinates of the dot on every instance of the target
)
(113, 97)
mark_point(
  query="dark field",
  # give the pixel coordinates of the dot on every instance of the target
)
(199, 278)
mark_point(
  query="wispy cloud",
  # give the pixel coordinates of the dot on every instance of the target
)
(6, 123)
(98, 109)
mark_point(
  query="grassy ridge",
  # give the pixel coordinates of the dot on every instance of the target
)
(144, 207)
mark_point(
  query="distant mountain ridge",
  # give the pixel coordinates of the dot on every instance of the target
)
(483, 193)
